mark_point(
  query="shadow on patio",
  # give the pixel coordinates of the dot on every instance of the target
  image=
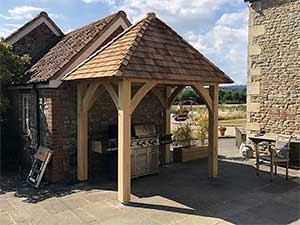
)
(237, 195)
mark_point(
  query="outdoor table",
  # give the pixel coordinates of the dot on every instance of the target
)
(269, 138)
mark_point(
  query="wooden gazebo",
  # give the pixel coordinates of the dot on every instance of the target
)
(155, 58)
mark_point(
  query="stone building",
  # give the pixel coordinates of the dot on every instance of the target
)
(273, 86)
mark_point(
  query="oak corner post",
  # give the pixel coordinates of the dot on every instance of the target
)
(213, 132)
(124, 135)
(82, 134)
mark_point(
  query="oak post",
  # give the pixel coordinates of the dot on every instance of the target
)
(124, 136)
(213, 132)
(82, 132)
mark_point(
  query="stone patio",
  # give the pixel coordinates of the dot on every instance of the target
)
(179, 194)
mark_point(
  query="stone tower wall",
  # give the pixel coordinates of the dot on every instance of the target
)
(273, 86)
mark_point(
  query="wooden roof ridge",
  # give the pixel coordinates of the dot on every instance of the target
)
(121, 13)
(127, 54)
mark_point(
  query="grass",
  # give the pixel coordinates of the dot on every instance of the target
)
(230, 114)
(234, 122)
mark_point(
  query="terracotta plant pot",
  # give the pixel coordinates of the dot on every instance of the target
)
(222, 131)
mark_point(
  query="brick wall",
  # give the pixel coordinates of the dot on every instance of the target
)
(273, 90)
(36, 42)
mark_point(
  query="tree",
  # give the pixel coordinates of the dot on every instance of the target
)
(12, 68)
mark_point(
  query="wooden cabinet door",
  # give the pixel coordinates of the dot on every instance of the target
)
(141, 161)
(153, 160)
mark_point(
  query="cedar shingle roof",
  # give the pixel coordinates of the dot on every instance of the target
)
(66, 50)
(150, 49)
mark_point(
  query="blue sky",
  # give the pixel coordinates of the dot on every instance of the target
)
(217, 28)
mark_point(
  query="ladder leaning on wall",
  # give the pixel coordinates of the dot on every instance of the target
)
(41, 159)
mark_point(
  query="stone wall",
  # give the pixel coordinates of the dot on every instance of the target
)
(273, 90)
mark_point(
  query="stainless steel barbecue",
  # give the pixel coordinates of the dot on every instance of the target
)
(144, 149)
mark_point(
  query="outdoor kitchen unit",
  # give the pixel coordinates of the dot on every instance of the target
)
(145, 152)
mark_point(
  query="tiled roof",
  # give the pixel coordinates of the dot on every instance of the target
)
(67, 49)
(150, 49)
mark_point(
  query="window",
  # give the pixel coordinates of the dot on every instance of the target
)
(26, 104)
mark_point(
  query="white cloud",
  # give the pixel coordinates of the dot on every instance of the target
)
(226, 44)
(5, 31)
(110, 2)
(234, 19)
(22, 12)
(182, 14)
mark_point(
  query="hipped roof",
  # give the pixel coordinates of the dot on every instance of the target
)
(149, 49)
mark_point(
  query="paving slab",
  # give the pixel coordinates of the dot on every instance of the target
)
(5, 205)
(5, 219)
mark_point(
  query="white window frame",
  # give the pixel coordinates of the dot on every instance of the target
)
(26, 101)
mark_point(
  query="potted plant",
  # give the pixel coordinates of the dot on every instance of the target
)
(186, 149)
(222, 131)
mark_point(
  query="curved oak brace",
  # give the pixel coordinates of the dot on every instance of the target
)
(97, 94)
(174, 95)
(141, 94)
(205, 94)
(112, 93)
(160, 97)
(88, 96)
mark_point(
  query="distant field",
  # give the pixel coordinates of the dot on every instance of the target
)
(230, 114)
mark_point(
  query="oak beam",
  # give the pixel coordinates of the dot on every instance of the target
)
(213, 132)
(200, 90)
(82, 132)
(141, 93)
(124, 136)
(171, 82)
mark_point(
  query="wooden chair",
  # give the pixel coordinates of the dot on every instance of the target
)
(278, 153)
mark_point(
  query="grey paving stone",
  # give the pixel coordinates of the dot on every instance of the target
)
(84, 216)
(5, 219)
(5, 205)
(53, 206)
(64, 218)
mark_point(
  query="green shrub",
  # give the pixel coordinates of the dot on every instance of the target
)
(201, 129)
(183, 134)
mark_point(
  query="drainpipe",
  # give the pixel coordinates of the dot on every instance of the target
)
(37, 118)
